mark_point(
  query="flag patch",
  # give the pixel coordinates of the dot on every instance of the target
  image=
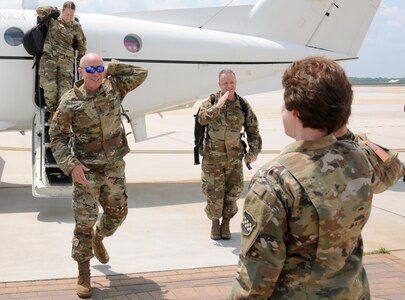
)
(383, 155)
(248, 223)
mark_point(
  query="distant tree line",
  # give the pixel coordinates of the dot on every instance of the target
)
(377, 81)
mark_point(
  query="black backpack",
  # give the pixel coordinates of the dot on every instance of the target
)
(199, 130)
(34, 39)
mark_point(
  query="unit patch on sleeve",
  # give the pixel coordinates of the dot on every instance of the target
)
(248, 223)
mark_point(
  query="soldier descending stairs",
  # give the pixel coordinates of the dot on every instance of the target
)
(58, 65)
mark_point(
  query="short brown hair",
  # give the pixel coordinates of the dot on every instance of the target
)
(69, 4)
(320, 91)
(226, 71)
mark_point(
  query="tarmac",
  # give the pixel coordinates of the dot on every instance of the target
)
(163, 250)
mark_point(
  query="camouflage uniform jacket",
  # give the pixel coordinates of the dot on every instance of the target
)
(224, 125)
(61, 35)
(93, 120)
(302, 222)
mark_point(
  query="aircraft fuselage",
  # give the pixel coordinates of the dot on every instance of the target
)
(183, 62)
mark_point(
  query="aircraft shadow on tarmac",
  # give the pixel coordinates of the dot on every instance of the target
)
(18, 199)
(2, 163)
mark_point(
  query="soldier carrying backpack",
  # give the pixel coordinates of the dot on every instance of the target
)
(218, 126)
(57, 50)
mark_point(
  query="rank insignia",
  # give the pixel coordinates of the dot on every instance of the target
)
(248, 223)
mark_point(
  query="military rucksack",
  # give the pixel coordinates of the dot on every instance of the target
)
(34, 38)
(199, 130)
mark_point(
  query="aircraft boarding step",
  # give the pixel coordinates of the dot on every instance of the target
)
(48, 179)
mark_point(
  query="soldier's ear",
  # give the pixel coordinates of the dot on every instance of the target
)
(296, 114)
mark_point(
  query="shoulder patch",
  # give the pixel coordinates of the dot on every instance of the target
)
(382, 154)
(248, 223)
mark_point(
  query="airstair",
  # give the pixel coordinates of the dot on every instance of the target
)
(48, 180)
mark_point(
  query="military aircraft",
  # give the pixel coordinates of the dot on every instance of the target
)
(183, 49)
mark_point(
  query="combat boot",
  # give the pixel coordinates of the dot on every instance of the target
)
(225, 231)
(99, 250)
(215, 234)
(83, 288)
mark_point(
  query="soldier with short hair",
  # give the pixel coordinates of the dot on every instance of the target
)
(305, 209)
(90, 116)
(222, 151)
(56, 71)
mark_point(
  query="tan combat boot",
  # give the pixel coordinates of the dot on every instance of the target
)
(83, 281)
(99, 250)
(215, 234)
(225, 232)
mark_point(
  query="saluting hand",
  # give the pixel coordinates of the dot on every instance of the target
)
(222, 100)
(78, 174)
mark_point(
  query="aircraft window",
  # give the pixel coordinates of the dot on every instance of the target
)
(13, 36)
(133, 43)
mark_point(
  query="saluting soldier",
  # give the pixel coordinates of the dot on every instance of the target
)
(305, 210)
(222, 151)
(56, 71)
(90, 116)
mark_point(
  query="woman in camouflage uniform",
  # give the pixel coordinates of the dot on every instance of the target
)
(305, 210)
(57, 60)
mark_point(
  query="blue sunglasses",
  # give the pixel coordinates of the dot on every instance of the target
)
(91, 70)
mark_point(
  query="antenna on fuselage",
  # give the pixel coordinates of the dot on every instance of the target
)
(216, 14)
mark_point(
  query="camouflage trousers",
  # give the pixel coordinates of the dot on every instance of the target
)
(56, 78)
(107, 188)
(222, 183)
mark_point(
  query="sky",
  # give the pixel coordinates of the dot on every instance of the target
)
(381, 54)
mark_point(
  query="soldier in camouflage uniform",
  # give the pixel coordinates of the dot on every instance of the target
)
(56, 71)
(304, 212)
(222, 151)
(90, 114)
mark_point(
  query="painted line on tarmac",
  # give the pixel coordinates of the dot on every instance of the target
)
(159, 151)
(188, 151)
(15, 149)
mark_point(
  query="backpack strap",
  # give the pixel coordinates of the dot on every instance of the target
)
(243, 107)
(212, 99)
(199, 133)
(242, 135)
